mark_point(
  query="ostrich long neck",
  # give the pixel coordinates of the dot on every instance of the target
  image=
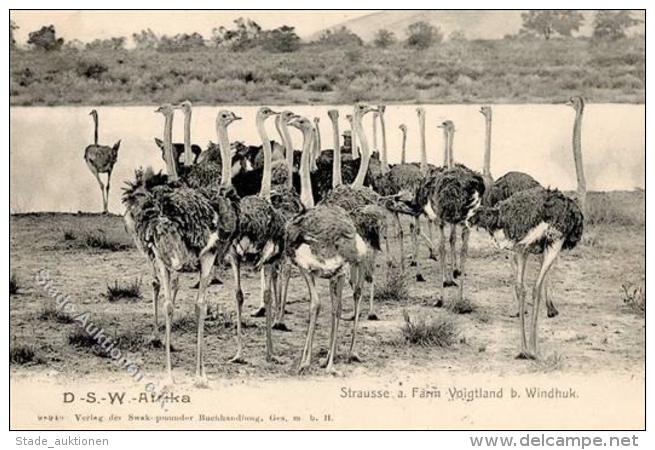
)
(168, 147)
(336, 159)
(421, 134)
(95, 129)
(315, 151)
(265, 190)
(353, 139)
(451, 139)
(288, 148)
(226, 159)
(577, 156)
(446, 148)
(486, 168)
(187, 138)
(375, 132)
(306, 195)
(403, 151)
(383, 154)
(366, 155)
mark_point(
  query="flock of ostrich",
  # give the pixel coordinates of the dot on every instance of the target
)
(325, 212)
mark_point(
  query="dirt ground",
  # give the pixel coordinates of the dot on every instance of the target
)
(594, 331)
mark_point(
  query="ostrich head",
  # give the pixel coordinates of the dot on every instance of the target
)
(286, 116)
(447, 125)
(94, 113)
(420, 111)
(185, 106)
(402, 127)
(166, 109)
(487, 219)
(576, 102)
(301, 123)
(362, 109)
(265, 112)
(485, 111)
(226, 117)
(382, 108)
(333, 114)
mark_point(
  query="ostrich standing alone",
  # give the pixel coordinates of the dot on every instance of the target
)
(260, 239)
(101, 159)
(176, 225)
(322, 242)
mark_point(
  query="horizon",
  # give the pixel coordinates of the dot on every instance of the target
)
(95, 24)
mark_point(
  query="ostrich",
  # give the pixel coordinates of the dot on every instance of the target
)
(403, 149)
(322, 242)
(450, 197)
(101, 159)
(363, 205)
(260, 239)
(174, 224)
(539, 221)
(187, 149)
(354, 150)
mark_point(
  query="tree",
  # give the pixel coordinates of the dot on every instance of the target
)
(114, 43)
(549, 22)
(281, 40)
(246, 35)
(45, 39)
(12, 27)
(181, 42)
(457, 36)
(384, 38)
(613, 25)
(338, 37)
(145, 40)
(421, 35)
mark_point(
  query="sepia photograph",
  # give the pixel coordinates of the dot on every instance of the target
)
(327, 220)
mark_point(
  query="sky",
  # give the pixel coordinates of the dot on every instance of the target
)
(89, 25)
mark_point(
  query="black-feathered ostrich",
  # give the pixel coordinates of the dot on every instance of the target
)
(322, 242)
(260, 240)
(174, 225)
(101, 159)
(533, 221)
(450, 197)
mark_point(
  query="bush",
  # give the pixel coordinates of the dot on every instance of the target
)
(463, 306)
(22, 354)
(320, 84)
(79, 338)
(91, 69)
(634, 298)
(98, 239)
(13, 284)
(128, 290)
(393, 287)
(440, 332)
(53, 314)
(296, 83)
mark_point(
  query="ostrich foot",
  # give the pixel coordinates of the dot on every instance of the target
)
(552, 312)
(413, 264)
(438, 303)
(275, 360)
(303, 368)
(168, 384)
(526, 355)
(420, 278)
(201, 381)
(348, 318)
(259, 312)
(516, 314)
(457, 273)
(449, 283)
(155, 341)
(280, 326)
(354, 358)
(332, 371)
(372, 316)
(213, 282)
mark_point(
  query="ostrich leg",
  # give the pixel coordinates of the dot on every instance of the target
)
(283, 289)
(552, 310)
(261, 310)
(356, 273)
(442, 263)
(106, 197)
(238, 296)
(520, 259)
(156, 286)
(206, 265)
(401, 236)
(314, 309)
(102, 186)
(164, 276)
(550, 255)
(268, 282)
(452, 262)
(462, 259)
(336, 291)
